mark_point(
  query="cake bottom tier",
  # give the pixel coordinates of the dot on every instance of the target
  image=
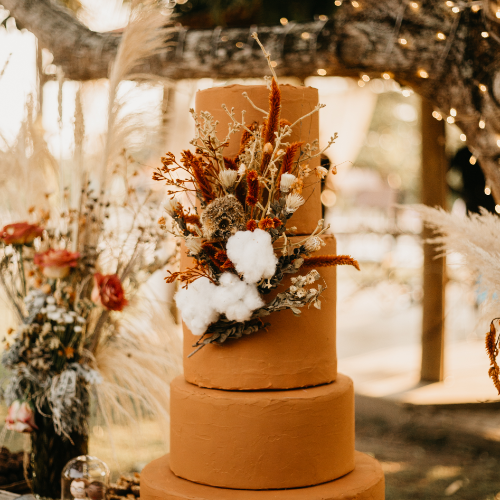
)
(365, 482)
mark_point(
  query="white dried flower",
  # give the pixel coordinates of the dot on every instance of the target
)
(286, 182)
(171, 206)
(51, 308)
(293, 289)
(227, 178)
(81, 319)
(77, 329)
(312, 276)
(242, 169)
(50, 300)
(321, 172)
(193, 245)
(301, 293)
(68, 318)
(293, 202)
(313, 244)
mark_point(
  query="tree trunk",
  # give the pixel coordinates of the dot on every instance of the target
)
(440, 53)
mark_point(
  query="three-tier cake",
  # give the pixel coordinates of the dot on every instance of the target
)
(267, 417)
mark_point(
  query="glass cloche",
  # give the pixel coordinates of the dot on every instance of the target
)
(85, 477)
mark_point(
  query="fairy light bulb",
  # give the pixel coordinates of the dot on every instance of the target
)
(463, 137)
(450, 119)
(487, 191)
(485, 34)
(456, 10)
(403, 41)
(414, 5)
(361, 83)
(453, 112)
(321, 72)
(497, 209)
(449, 4)
(437, 115)
(482, 87)
(498, 143)
(440, 36)
(473, 160)
(422, 73)
(355, 4)
(482, 123)
(284, 21)
(365, 78)
(386, 76)
(338, 3)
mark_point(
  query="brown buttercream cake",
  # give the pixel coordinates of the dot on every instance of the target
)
(266, 417)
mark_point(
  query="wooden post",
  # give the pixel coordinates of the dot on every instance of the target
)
(434, 167)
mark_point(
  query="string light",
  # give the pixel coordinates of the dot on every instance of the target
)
(361, 83)
(338, 3)
(406, 93)
(449, 4)
(450, 119)
(284, 21)
(498, 14)
(386, 76)
(321, 72)
(485, 34)
(487, 191)
(403, 41)
(240, 45)
(463, 137)
(440, 36)
(355, 4)
(437, 115)
(365, 78)
(423, 74)
(476, 8)
(472, 160)
(453, 112)
(482, 124)
(482, 87)
(498, 143)
(274, 64)
(323, 18)
(456, 10)
(305, 35)
(497, 209)
(414, 5)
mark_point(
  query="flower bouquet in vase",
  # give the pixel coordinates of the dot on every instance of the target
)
(68, 286)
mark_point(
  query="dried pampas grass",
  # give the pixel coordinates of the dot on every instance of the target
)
(476, 237)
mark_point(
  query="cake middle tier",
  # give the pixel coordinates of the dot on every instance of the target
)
(294, 351)
(262, 439)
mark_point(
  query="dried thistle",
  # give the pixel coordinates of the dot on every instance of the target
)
(492, 350)
(222, 218)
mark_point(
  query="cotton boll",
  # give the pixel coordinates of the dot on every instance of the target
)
(196, 306)
(252, 254)
(236, 299)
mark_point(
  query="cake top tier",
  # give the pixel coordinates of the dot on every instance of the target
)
(296, 102)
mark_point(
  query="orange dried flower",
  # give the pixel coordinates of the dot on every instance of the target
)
(277, 222)
(246, 136)
(266, 223)
(253, 188)
(273, 119)
(330, 260)
(251, 225)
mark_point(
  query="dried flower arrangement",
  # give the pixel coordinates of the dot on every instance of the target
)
(475, 237)
(246, 203)
(75, 271)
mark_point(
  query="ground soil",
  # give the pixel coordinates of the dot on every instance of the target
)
(430, 468)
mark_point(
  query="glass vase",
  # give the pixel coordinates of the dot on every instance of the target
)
(50, 452)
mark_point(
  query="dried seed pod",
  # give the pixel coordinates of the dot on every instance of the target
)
(222, 218)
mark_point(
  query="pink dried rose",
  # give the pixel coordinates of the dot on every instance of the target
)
(20, 233)
(108, 292)
(20, 417)
(56, 263)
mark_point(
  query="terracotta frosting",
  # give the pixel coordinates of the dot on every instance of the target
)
(295, 351)
(365, 482)
(296, 102)
(262, 440)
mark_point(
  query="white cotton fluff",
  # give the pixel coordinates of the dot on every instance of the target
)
(252, 254)
(236, 299)
(196, 305)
